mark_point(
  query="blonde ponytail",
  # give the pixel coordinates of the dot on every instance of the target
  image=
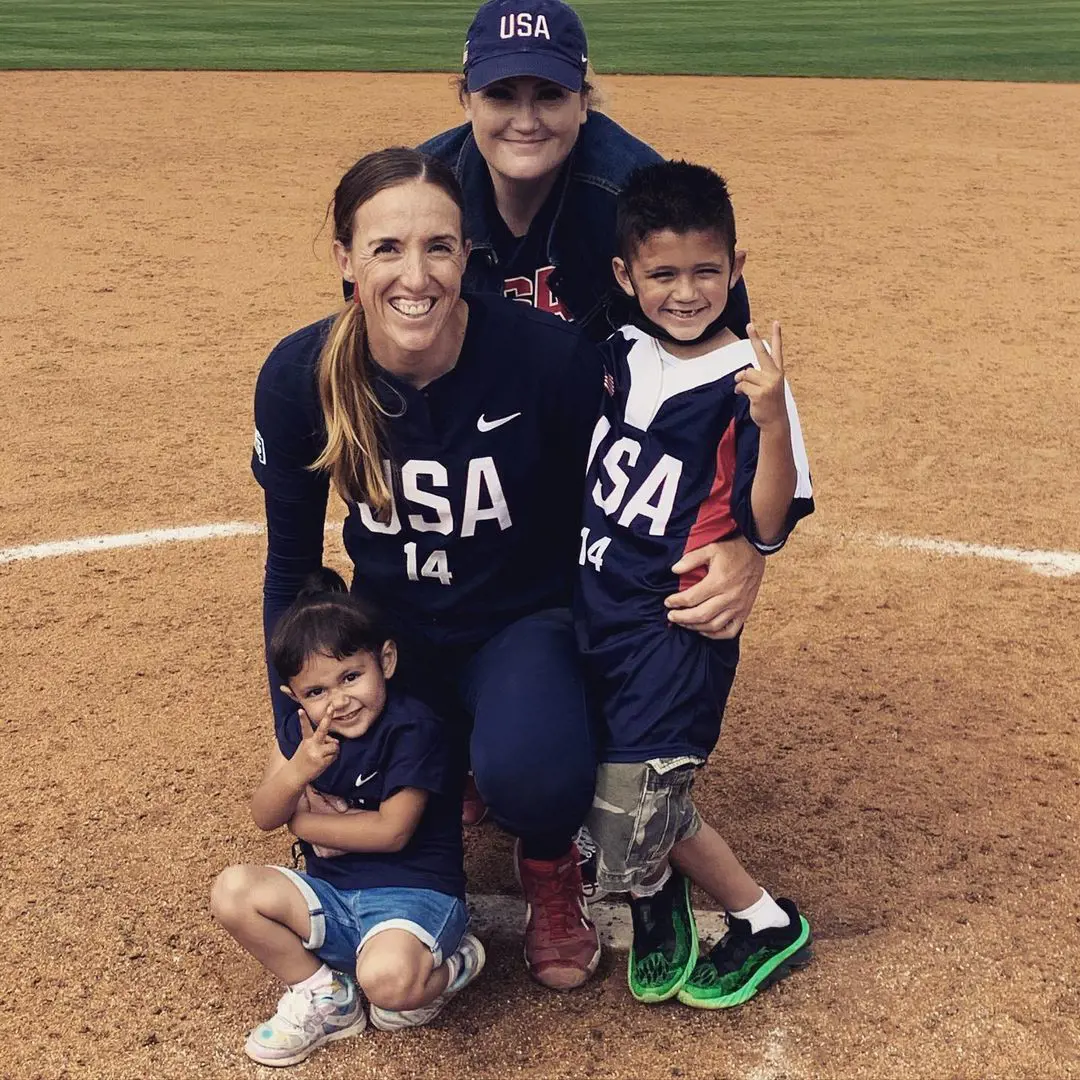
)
(353, 416)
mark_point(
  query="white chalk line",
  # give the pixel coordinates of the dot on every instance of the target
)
(495, 916)
(1047, 563)
(86, 545)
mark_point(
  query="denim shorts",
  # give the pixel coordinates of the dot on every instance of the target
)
(640, 811)
(342, 920)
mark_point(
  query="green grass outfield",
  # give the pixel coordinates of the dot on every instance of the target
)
(1033, 41)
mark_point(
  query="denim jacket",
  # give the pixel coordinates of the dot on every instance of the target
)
(582, 239)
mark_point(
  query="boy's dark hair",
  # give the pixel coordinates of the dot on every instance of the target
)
(324, 618)
(673, 195)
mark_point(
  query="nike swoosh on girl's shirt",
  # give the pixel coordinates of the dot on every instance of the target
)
(364, 779)
(491, 425)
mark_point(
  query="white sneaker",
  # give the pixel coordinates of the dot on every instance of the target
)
(305, 1019)
(589, 861)
(470, 954)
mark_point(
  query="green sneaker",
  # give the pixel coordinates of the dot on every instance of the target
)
(744, 963)
(665, 946)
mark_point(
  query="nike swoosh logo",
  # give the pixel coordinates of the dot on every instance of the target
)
(491, 425)
(361, 779)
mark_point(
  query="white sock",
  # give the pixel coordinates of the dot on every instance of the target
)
(763, 914)
(321, 980)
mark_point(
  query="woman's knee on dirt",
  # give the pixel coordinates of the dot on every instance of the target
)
(533, 793)
(393, 969)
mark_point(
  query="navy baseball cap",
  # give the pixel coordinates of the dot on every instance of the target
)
(542, 38)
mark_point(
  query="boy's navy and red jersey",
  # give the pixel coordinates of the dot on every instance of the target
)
(405, 748)
(670, 469)
(486, 465)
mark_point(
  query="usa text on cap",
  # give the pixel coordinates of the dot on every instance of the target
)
(541, 38)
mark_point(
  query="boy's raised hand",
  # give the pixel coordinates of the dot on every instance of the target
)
(764, 386)
(317, 749)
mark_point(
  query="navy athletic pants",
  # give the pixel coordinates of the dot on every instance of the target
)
(521, 698)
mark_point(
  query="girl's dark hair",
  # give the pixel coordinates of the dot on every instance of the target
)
(673, 195)
(351, 409)
(324, 618)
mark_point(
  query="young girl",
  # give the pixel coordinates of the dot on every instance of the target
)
(363, 778)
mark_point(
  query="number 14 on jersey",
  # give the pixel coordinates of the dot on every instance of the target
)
(436, 565)
(593, 552)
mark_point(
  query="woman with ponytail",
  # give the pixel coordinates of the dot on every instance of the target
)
(456, 429)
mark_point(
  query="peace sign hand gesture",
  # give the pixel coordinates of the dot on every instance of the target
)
(317, 749)
(764, 386)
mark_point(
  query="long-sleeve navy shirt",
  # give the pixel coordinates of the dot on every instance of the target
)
(487, 464)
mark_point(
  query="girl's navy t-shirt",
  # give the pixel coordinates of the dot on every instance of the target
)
(405, 748)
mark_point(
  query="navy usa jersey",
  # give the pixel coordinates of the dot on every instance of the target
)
(670, 469)
(485, 463)
(405, 748)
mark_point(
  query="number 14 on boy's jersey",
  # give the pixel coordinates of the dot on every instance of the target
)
(593, 551)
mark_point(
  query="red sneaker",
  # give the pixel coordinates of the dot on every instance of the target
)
(562, 947)
(473, 807)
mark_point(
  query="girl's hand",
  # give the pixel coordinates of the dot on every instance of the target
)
(764, 386)
(317, 803)
(317, 749)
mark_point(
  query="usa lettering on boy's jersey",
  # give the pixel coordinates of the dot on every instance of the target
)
(484, 464)
(671, 464)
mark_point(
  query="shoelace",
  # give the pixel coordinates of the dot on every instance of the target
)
(587, 859)
(297, 1008)
(585, 845)
(556, 896)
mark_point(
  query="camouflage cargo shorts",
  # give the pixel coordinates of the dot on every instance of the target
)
(640, 811)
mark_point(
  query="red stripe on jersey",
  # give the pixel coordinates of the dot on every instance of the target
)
(714, 520)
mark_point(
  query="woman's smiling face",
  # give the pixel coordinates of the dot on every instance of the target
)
(407, 257)
(525, 127)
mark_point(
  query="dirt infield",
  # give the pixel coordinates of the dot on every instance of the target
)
(901, 751)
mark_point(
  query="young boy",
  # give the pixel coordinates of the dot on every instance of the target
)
(362, 777)
(698, 440)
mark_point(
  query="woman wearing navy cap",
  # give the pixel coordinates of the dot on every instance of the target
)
(540, 171)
